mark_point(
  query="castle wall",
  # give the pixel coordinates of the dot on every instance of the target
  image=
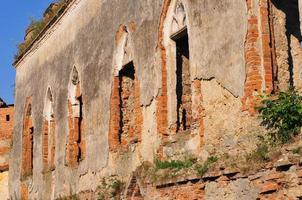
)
(230, 63)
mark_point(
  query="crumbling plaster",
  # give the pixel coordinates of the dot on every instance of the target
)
(218, 30)
(89, 45)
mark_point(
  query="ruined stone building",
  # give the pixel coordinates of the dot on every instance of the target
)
(6, 133)
(109, 87)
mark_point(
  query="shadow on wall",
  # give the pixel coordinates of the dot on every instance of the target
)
(291, 10)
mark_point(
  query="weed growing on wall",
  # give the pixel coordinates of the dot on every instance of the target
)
(260, 154)
(110, 188)
(38, 25)
(174, 164)
(203, 168)
(297, 150)
(282, 115)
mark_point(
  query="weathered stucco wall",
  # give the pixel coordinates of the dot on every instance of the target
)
(219, 28)
(88, 37)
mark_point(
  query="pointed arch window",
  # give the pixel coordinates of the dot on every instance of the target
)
(125, 114)
(48, 141)
(176, 41)
(75, 148)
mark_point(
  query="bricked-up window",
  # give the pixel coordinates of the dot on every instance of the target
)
(183, 81)
(75, 148)
(125, 108)
(48, 142)
(127, 98)
(27, 141)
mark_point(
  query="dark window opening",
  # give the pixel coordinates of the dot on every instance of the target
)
(31, 141)
(126, 94)
(80, 154)
(183, 82)
(292, 25)
(7, 118)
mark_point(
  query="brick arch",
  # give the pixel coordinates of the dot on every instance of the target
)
(125, 110)
(173, 107)
(177, 59)
(49, 126)
(76, 144)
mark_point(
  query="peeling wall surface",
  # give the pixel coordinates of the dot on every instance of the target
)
(97, 39)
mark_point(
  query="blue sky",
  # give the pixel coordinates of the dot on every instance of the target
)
(15, 16)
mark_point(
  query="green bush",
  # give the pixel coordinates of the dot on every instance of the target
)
(282, 115)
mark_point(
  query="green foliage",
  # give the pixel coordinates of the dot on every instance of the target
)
(202, 169)
(110, 188)
(36, 26)
(297, 150)
(116, 187)
(174, 164)
(282, 115)
(260, 154)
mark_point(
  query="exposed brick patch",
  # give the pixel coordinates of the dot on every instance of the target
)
(198, 110)
(27, 140)
(48, 134)
(183, 192)
(127, 107)
(45, 144)
(259, 66)
(125, 113)
(162, 99)
(137, 111)
(24, 192)
(6, 132)
(114, 125)
(266, 45)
